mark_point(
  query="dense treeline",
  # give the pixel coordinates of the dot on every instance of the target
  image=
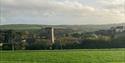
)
(33, 40)
(42, 45)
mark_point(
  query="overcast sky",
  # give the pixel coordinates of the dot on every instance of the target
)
(58, 12)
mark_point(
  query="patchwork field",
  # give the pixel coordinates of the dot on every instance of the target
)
(64, 56)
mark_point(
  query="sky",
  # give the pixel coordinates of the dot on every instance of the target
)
(60, 12)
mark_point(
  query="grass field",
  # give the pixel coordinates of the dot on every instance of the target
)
(64, 56)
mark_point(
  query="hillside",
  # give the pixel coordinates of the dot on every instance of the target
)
(77, 28)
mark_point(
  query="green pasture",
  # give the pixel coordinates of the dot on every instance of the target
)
(64, 56)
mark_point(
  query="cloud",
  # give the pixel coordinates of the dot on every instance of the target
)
(117, 6)
(106, 11)
(113, 2)
(43, 7)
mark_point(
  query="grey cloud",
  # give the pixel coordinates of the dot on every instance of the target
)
(44, 6)
(59, 10)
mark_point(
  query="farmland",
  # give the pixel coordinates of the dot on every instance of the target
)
(64, 56)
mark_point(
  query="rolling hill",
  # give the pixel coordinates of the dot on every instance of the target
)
(77, 28)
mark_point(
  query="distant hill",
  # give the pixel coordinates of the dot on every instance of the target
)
(77, 28)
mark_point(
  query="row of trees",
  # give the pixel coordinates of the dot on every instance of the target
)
(27, 40)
